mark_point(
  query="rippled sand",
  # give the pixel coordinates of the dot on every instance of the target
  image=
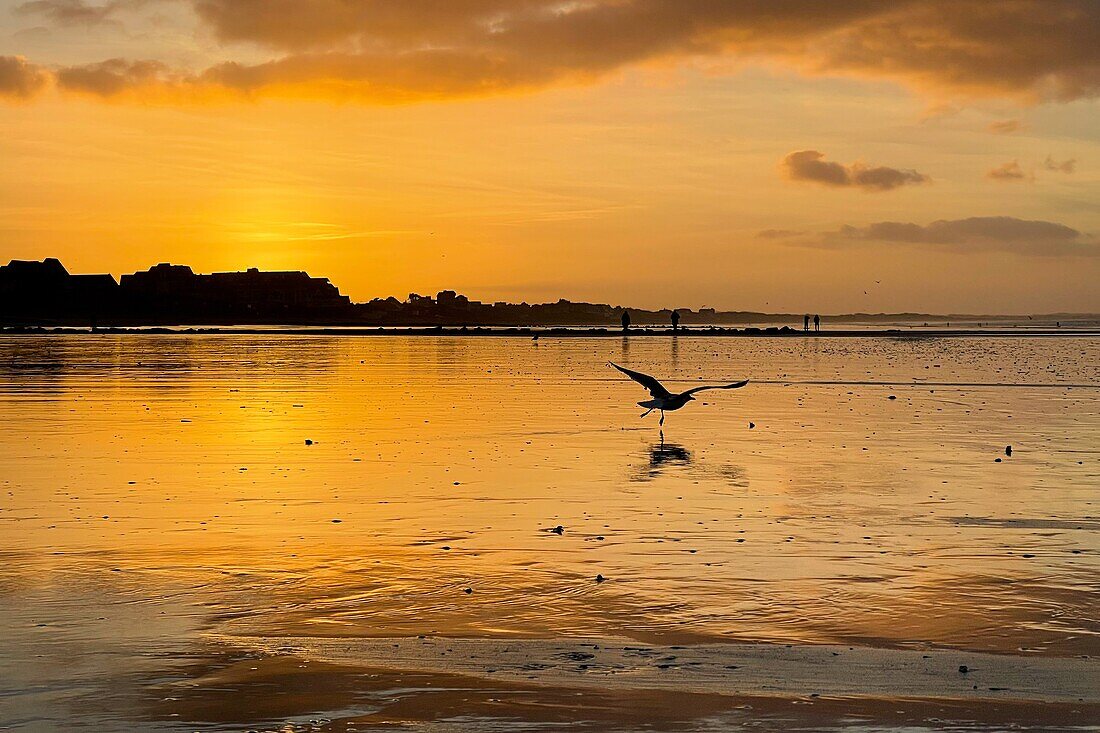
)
(165, 527)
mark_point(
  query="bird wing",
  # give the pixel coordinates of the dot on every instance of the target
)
(735, 385)
(655, 388)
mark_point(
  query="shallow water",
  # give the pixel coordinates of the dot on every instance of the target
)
(158, 489)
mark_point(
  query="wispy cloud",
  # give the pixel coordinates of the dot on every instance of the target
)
(780, 234)
(1065, 166)
(1006, 127)
(77, 12)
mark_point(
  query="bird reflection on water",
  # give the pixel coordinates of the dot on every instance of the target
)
(661, 453)
(663, 457)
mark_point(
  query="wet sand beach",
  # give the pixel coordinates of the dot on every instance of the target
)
(286, 532)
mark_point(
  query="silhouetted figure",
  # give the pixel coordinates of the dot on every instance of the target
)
(663, 399)
(675, 320)
(806, 322)
(626, 321)
(817, 323)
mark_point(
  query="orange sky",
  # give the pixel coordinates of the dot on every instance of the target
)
(918, 155)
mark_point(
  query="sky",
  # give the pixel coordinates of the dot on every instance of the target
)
(774, 155)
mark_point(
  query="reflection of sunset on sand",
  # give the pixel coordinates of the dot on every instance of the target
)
(177, 500)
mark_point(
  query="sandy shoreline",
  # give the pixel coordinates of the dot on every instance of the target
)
(724, 669)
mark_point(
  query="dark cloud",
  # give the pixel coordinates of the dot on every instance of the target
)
(382, 50)
(20, 79)
(1041, 48)
(999, 233)
(1065, 166)
(111, 77)
(810, 165)
(1007, 172)
(1006, 127)
(881, 178)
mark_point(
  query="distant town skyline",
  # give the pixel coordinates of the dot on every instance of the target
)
(45, 293)
(919, 155)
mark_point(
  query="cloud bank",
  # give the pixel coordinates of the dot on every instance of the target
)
(380, 51)
(981, 233)
(810, 165)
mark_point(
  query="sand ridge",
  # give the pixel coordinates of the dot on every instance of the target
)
(735, 669)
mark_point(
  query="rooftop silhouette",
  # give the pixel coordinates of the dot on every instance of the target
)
(46, 294)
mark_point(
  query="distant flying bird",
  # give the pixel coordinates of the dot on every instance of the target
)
(664, 400)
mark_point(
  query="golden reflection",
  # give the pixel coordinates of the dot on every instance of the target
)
(326, 485)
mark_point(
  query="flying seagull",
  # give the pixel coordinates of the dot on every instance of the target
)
(664, 400)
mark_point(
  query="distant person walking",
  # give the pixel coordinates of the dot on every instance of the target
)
(675, 320)
(817, 323)
(806, 322)
(626, 321)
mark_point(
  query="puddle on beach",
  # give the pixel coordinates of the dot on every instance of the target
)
(161, 490)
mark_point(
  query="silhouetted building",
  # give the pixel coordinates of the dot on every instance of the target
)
(44, 292)
(244, 297)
